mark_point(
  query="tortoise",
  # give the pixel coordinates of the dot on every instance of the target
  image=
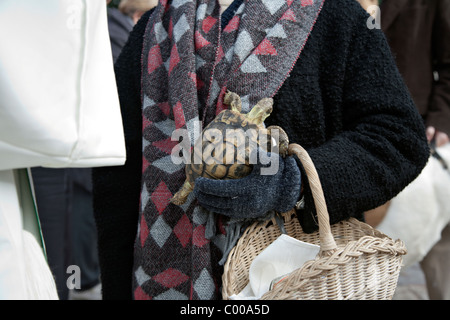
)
(230, 158)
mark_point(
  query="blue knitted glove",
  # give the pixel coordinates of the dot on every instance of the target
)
(254, 195)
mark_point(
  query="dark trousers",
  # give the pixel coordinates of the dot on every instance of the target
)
(64, 201)
(84, 232)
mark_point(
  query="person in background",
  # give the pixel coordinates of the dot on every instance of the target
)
(83, 234)
(64, 201)
(122, 19)
(367, 3)
(53, 191)
(418, 34)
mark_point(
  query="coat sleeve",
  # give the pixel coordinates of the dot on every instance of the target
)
(439, 112)
(382, 146)
(116, 190)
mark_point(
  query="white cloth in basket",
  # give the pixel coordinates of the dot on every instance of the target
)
(280, 258)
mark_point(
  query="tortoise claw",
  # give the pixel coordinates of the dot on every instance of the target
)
(283, 140)
(233, 100)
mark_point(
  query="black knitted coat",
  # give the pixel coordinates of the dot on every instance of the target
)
(345, 102)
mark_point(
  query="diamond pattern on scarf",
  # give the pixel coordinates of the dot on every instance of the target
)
(273, 6)
(139, 294)
(204, 285)
(166, 145)
(167, 165)
(174, 58)
(171, 294)
(165, 108)
(229, 54)
(143, 231)
(141, 276)
(183, 230)
(161, 197)
(199, 215)
(145, 164)
(201, 12)
(160, 33)
(200, 41)
(147, 102)
(179, 115)
(179, 3)
(289, 15)
(193, 77)
(160, 231)
(144, 199)
(198, 66)
(180, 28)
(154, 59)
(244, 45)
(146, 123)
(208, 23)
(278, 21)
(232, 25)
(265, 48)
(171, 278)
(252, 65)
(276, 32)
(198, 237)
(166, 126)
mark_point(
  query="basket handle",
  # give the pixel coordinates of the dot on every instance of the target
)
(327, 242)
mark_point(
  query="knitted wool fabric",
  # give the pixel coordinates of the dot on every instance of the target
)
(188, 64)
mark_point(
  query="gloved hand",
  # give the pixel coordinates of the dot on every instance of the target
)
(254, 195)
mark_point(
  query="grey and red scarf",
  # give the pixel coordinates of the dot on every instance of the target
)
(188, 63)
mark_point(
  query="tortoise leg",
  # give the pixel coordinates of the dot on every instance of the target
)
(180, 197)
(260, 111)
(283, 140)
(233, 100)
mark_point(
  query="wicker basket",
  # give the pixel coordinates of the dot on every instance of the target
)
(355, 260)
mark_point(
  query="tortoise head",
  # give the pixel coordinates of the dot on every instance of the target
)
(233, 100)
(260, 111)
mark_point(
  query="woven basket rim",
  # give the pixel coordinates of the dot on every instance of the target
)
(371, 243)
(331, 255)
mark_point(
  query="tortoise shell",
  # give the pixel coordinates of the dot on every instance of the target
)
(224, 149)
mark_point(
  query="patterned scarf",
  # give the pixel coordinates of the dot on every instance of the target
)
(188, 63)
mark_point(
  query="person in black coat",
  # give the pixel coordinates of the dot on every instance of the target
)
(344, 101)
(121, 21)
